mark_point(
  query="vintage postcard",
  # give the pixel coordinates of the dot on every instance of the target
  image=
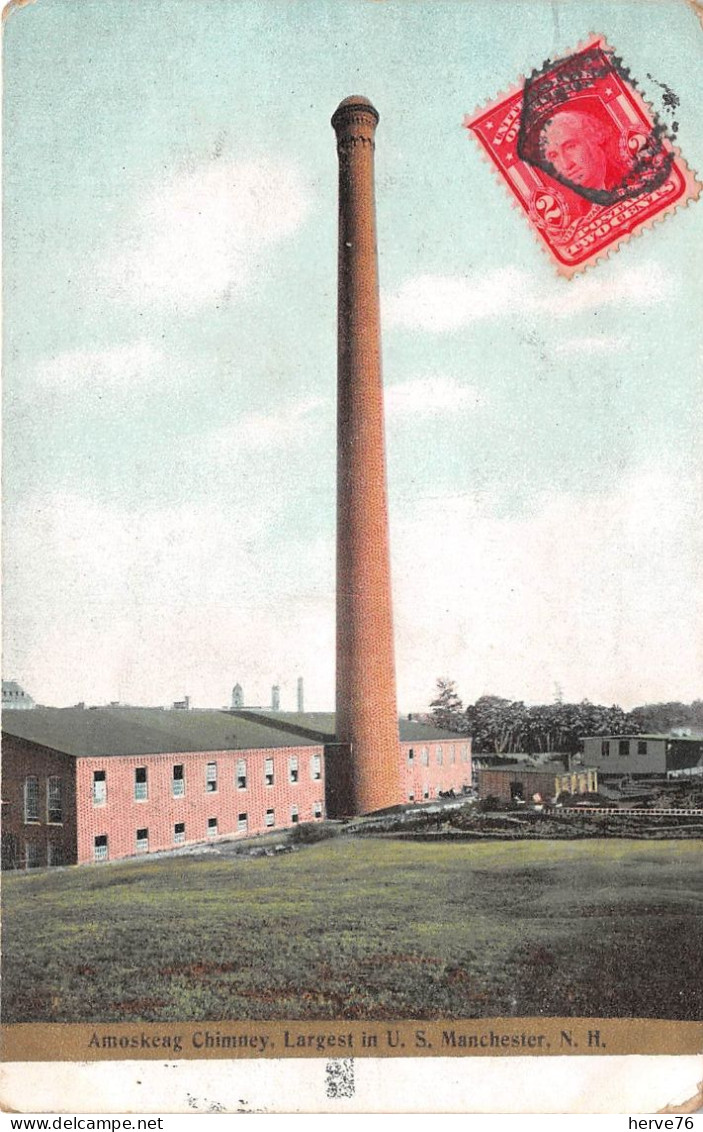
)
(352, 688)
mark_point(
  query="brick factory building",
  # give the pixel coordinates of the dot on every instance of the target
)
(430, 760)
(95, 784)
(521, 783)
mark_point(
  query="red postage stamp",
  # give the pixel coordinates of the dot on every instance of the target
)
(584, 155)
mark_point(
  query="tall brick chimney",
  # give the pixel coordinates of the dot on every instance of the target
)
(367, 717)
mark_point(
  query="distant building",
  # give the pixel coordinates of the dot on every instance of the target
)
(237, 696)
(14, 697)
(526, 784)
(642, 755)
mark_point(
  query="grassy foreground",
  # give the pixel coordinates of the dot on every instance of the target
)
(363, 929)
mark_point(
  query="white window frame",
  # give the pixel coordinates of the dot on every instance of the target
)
(242, 823)
(293, 771)
(179, 835)
(101, 852)
(270, 818)
(141, 789)
(100, 796)
(241, 774)
(212, 830)
(269, 772)
(52, 788)
(211, 778)
(316, 767)
(31, 813)
(178, 785)
(142, 843)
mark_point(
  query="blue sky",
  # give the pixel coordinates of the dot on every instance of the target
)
(169, 343)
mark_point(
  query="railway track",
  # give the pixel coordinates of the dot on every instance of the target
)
(630, 813)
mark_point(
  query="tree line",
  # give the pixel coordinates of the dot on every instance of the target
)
(506, 727)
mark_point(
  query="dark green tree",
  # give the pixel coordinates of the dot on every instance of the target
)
(446, 709)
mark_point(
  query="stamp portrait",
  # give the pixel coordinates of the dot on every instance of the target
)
(583, 154)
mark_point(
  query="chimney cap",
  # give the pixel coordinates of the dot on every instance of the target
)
(352, 103)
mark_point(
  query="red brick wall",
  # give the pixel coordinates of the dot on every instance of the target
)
(40, 841)
(122, 815)
(425, 781)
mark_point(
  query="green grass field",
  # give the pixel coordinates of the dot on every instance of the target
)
(362, 929)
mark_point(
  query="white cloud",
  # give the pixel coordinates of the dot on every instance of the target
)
(290, 424)
(430, 397)
(127, 365)
(441, 304)
(104, 602)
(601, 593)
(591, 345)
(205, 232)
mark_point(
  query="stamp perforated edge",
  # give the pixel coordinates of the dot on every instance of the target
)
(692, 186)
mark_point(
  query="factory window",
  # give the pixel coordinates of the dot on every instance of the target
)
(624, 749)
(179, 833)
(440, 755)
(178, 783)
(642, 747)
(317, 809)
(32, 855)
(411, 797)
(211, 778)
(411, 755)
(99, 788)
(270, 817)
(31, 799)
(452, 754)
(293, 768)
(140, 784)
(426, 793)
(54, 805)
(241, 823)
(54, 853)
(142, 841)
(425, 756)
(100, 847)
(605, 749)
(464, 753)
(294, 814)
(212, 827)
(316, 768)
(241, 774)
(268, 772)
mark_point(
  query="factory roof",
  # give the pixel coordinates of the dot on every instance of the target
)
(547, 768)
(115, 730)
(321, 726)
(670, 736)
